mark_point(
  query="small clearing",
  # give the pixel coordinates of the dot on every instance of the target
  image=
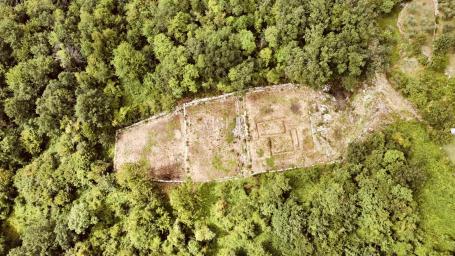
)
(417, 26)
(417, 19)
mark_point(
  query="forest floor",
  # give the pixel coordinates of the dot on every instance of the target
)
(273, 128)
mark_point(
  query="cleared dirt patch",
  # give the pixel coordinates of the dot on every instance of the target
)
(157, 143)
(410, 65)
(280, 127)
(214, 150)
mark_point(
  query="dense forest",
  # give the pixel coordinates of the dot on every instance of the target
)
(72, 72)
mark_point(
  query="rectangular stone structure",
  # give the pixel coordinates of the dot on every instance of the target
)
(277, 119)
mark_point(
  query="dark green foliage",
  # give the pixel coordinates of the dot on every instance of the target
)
(368, 205)
(26, 81)
(443, 45)
(56, 103)
(6, 193)
(433, 94)
(71, 72)
(109, 63)
(447, 7)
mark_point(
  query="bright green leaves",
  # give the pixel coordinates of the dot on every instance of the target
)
(186, 202)
(57, 102)
(31, 140)
(129, 63)
(203, 233)
(162, 46)
(174, 74)
(433, 94)
(247, 41)
(27, 81)
(271, 36)
(92, 108)
(240, 76)
(80, 218)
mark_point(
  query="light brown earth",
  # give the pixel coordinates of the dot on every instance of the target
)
(281, 128)
(214, 152)
(156, 143)
(267, 129)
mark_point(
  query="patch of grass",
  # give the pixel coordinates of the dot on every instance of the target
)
(217, 163)
(150, 143)
(266, 110)
(172, 125)
(260, 152)
(143, 161)
(389, 24)
(270, 162)
(223, 166)
(230, 131)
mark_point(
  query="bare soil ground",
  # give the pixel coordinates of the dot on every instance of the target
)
(372, 107)
(157, 143)
(214, 151)
(268, 129)
(409, 65)
(281, 128)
